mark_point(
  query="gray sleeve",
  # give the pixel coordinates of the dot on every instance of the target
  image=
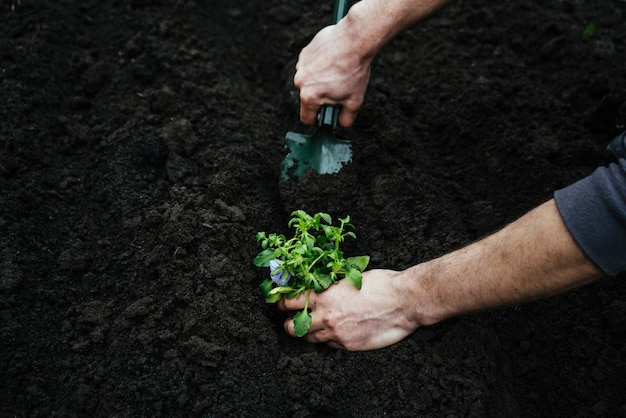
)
(594, 211)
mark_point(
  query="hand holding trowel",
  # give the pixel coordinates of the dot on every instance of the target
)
(320, 151)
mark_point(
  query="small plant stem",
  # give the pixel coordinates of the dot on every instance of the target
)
(306, 303)
(315, 261)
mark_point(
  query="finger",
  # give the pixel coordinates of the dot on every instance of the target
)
(299, 78)
(292, 304)
(289, 327)
(317, 327)
(310, 336)
(346, 118)
(348, 112)
(308, 113)
(315, 335)
(322, 335)
(335, 345)
(317, 323)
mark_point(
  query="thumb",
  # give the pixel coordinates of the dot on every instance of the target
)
(349, 109)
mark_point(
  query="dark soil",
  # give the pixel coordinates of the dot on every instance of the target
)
(140, 151)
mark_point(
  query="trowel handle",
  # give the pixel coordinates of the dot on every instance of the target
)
(328, 114)
(341, 9)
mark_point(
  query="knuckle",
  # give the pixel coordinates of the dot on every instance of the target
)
(349, 346)
(297, 80)
(286, 302)
(352, 106)
(289, 304)
(307, 96)
(331, 320)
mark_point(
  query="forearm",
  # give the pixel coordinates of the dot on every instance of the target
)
(370, 24)
(531, 258)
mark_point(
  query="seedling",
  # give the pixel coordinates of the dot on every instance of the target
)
(309, 261)
(589, 31)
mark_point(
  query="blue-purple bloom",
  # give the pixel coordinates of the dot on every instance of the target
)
(281, 277)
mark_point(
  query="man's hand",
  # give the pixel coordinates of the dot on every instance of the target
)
(334, 69)
(344, 317)
(330, 72)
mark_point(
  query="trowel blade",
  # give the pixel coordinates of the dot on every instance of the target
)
(320, 151)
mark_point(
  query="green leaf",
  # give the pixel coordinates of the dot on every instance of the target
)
(296, 292)
(326, 217)
(300, 249)
(273, 298)
(309, 280)
(302, 322)
(317, 286)
(355, 277)
(310, 242)
(324, 280)
(296, 215)
(264, 258)
(589, 31)
(280, 289)
(266, 286)
(359, 262)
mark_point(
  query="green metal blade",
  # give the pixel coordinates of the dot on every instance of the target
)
(320, 151)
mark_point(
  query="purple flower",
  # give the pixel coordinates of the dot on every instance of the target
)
(281, 277)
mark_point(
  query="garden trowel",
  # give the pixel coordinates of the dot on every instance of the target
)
(320, 151)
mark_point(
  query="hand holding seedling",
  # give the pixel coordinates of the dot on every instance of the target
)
(376, 316)
(310, 261)
(533, 257)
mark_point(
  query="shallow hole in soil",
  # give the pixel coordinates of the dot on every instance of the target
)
(277, 319)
